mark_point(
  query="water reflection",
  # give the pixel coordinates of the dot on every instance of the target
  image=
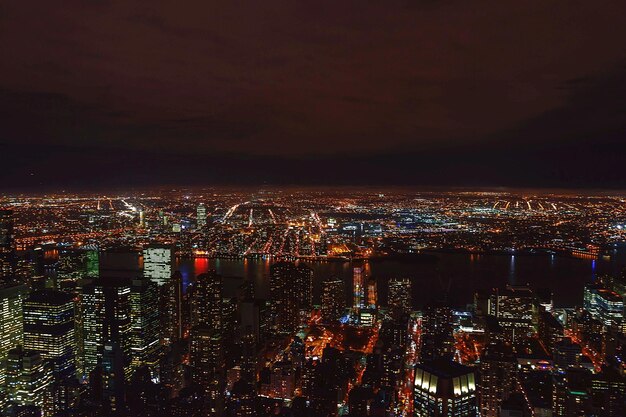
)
(464, 273)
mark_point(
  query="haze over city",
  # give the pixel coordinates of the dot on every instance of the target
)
(490, 93)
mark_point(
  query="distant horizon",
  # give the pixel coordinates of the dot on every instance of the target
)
(259, 188)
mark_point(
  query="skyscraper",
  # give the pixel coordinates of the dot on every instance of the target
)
(359, 290)
(49, 330)
(206, 301)
(172, 312)
(201, 216)
(145, 327)
(444, 389)
(437, 339)
(498, 368)
(208, 366)
(207, 342)
(106, 317)
(290, 290)
(609, 392)
(27, 379)
(333, 299)
(11, 320)
(372, 294)
(7, 249)
(604, 305)
(113, 377)
(399, 297)
(157, 263)
(515, 309)
(304, 284)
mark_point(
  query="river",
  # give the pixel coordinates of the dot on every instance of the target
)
(457, 274)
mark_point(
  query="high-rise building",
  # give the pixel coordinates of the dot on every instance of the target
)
(28, 380)
(304, 284)
(142, 218)
(515, 309)
(157, 263)
(208, 366)
(11, 320)
(444, 388)
(372, 294)
(206, 301)
(550, 330)
(105, 317)
(49, 330)
(172, 312)
(604, 305)
(437, 339)
(201, 216)
(287, 295)
(333, 299)
(567, 353)
(113, 378)
(145, 326)
(399, 296)
(608, 390)
(571, 393)
(280, 381)
(359, 289)
(498, 368)
(7, 249)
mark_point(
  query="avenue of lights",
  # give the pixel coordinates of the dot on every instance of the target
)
(212, 302)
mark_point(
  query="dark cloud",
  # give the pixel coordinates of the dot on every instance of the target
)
(419, 91)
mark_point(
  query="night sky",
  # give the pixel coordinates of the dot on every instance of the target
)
(424, 92)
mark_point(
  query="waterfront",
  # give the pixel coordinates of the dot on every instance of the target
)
(459, 274)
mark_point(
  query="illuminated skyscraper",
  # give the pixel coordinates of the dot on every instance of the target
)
(604, 305)
(498, 368)
(113, 378)
(201, 216)
(157, 263)
(145, 326)
(290, 291)
(372, 294)
(207, 342)
(437, 339)
(172, 313)
(609, 392)
(444, 389)
(105, 317)
(208, 366)
(49, 330)
(515, 309)
(399, 297)
(359, 288)
(304, 285)
(333, 300)
(11, 321)
(28, 379)
(7, 249)
(206, 301)
(550, 330)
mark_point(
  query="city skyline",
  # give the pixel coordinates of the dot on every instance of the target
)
(350, 302)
